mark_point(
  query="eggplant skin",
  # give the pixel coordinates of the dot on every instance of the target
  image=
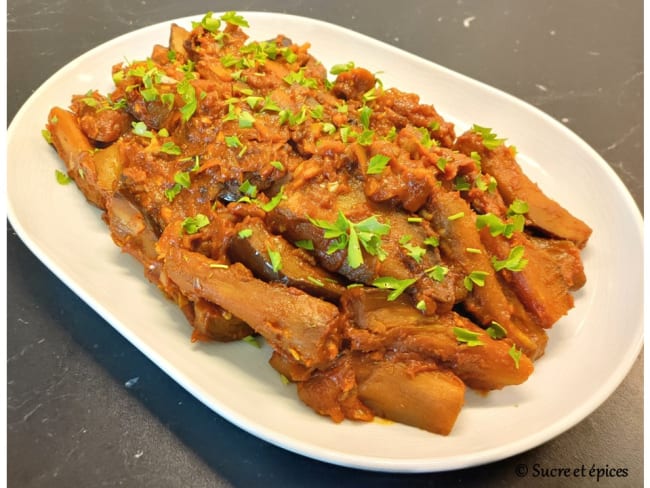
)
(298, 268)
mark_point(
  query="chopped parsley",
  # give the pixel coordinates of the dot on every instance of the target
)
(364, 116)
(318, 112)
(366, 137)
(306, 244)
(517, 207)
(490, 139)
(188, 95)
(192, 225)
(492, 222)
(141, 129)
(315, 281)
(432, 241)
(351, 236)
(514, 262)
(245, 233)
(170, 148)
(437, 272)
(497, 227)
(377, 164)
(337, 69)
(277, 165)
(461, 183)
(413, 251)
(182, 180)
(61, 177)
(344, 132)
(496, 330)
(273, 202)
(390, 283)
(442, 164)
(47, 135)
(425, 138)
(208, 22)
(475, 278)
(298, 77)
(515, 354)
(468, 337)
(251, 340)
(248, 189)
(233, 18)
(276, 259)
(246, 120)
(233, 141)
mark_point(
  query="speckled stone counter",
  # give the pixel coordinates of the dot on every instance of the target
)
(85, 408)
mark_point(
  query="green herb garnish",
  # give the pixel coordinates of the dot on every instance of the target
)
(337, 69)
(490, 140)
(276, 259)
(377, 164)
(496, 330)
(475, 278)
(351, 236)
(141, 129)
(514, 262)
(437, 272)
(61, 177)
(515, 354)
(390, 283)
(467, 337)
(170, 148)
(191, 225)
(251, 341)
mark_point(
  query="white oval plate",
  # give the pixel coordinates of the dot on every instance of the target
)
(601, 336)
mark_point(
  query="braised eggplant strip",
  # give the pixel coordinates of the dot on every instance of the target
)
(292, 321)
(544, 213)
(254, 246)
(359, 386)
(388, 264)
(483, 363)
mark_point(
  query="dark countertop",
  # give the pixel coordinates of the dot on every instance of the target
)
(73, 417)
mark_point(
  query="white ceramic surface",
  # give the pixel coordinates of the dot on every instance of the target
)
(590, 350)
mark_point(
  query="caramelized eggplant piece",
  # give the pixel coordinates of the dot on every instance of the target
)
(397, 387)
(213, 323)
(297, 219)
(291, 321)
(76, 151)
(454, 220)
(253, 246)
(410, 391)
(567, 256)
(380, 325)
(137, 235)
(99, 118)
(539, 285)
(543, 212)
(332, 392)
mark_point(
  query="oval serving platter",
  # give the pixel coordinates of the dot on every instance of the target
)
(234, 380)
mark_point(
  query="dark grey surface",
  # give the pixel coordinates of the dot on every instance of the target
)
(78, 417)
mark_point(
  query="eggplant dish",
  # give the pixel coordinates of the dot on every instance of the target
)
(388, 262)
